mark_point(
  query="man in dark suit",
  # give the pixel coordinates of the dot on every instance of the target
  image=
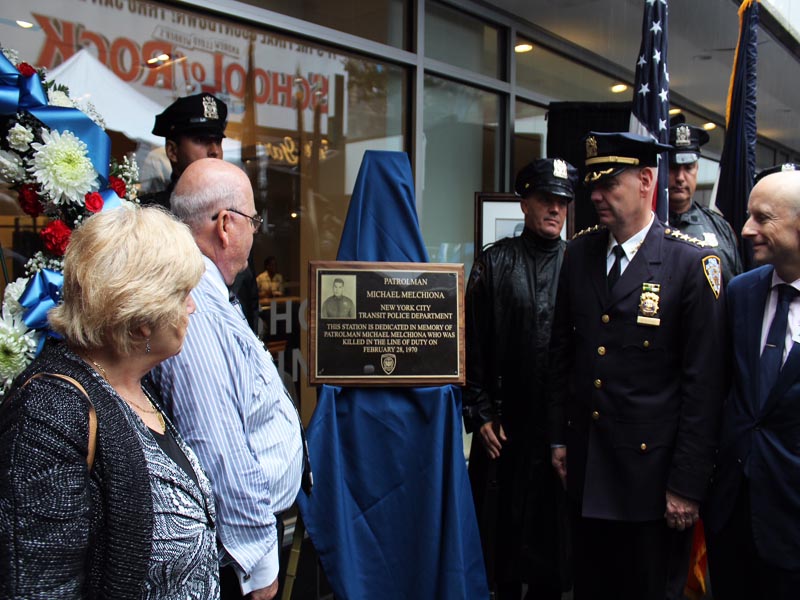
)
(637, 379)
(753, 514)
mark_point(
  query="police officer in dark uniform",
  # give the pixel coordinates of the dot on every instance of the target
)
(509, 307)
(194, 127)
(690, 217)
(637, 379)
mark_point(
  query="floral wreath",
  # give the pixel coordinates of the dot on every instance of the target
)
(55, 154)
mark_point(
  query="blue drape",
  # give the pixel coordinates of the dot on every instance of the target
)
(391, 513)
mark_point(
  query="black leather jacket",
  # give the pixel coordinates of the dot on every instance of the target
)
(509, 311)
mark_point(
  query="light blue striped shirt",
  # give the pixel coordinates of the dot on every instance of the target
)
(229, 404)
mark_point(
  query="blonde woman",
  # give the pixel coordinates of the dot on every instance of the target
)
(99, 496)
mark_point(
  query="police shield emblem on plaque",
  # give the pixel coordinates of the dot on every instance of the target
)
(648, 305)
(388, 363)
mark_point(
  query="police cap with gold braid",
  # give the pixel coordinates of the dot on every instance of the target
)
(608, 154)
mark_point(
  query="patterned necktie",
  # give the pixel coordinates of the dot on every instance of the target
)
(616, 268)
(772, 356)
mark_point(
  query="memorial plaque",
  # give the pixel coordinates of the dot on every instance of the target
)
(386, 323)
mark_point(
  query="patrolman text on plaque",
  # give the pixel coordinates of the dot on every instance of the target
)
(386, 323)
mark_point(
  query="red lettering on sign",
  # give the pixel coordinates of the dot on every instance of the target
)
(58, 45)
(119, 49)
(235, 78)
(150, 50)
(282, 87)
(98, 41)
(261, 80)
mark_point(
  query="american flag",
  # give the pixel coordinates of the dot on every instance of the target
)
(650, 110)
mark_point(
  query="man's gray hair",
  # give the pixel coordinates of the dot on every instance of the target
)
(201, 204)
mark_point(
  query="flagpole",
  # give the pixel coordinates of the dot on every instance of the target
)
(650, 108)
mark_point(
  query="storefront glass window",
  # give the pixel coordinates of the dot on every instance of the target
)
(462, 40)
(530, 135)
(461, 158)
(558, 78)
(384, 21)
(300, 117)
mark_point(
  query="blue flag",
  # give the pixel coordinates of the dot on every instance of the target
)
(650, 110)
(391, 513)
(737, 165)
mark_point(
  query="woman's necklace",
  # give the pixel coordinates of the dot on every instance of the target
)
(151, 411)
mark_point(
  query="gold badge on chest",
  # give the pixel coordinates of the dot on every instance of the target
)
(649, 305)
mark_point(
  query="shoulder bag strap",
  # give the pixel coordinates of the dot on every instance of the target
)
(92, 413)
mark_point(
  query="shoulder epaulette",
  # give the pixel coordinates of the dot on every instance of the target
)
(675, 234)
(588, 230)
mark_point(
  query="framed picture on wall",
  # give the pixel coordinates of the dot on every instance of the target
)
(499, 215)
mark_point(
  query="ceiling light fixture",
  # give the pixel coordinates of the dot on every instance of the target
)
(675, 111)
(25, 24)
(618, 88)
(523, 47)
(709, 126)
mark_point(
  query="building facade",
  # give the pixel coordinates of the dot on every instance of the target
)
(463, 87)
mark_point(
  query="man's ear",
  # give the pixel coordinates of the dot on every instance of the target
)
(648, 176)
(172, 151)
(222, 227)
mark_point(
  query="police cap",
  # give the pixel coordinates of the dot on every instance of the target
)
(608, 154)
(776, 169)
(686, 141)
(547, 175)
(197, 114)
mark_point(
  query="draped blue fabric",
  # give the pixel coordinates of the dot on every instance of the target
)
(391, 513)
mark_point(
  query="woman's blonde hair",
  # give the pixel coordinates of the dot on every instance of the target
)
(125, 268)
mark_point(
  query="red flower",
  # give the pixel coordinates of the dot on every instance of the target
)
(56, 237)
(26, 69)
(117, 184)
(94, 202)
(29, 200)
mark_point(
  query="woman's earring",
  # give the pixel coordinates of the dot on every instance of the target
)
(147, 346)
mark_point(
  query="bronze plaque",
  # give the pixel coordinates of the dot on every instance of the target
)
(386, 323)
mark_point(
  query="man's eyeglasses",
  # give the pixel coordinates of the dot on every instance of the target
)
(256, 221)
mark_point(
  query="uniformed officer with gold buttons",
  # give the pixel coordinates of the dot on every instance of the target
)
(636, 381)
(687, 215)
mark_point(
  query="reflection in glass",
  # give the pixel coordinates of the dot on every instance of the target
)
(530, 135)
(551, 75)
(462, 40)
(461, 158)
(384, 21)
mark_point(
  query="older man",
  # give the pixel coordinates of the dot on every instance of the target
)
(223, 389)
(509, 305)
(637, 379)
(687, 215)
(753, 514)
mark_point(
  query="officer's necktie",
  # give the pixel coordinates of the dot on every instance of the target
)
(772, 356)
(616, 268)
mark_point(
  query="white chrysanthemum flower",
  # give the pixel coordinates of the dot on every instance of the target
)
(59, 98)
(17, 349)
(12, 168)
(62, 167)
(11, 306)
(20, 137)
